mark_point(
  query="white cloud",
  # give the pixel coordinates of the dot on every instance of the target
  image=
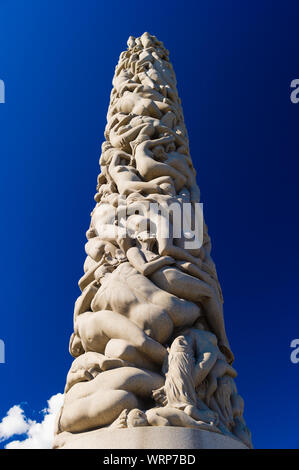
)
(39, 435)
(14, 422)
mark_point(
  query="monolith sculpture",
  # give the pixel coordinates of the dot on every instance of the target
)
(153, 365)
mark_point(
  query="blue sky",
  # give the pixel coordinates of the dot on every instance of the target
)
(234, 63)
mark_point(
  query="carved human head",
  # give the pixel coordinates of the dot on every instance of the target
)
(137, 223)
(91, 233)
(171, 147)
(139, 140)
(159, 152)
(114, 256)
(145, 238)
(103, 271)
(131, 42)
(146, 40)
(136, 418)
(138, 42)
(75, 346)
(107, 153)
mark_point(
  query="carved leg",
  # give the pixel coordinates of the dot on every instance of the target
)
(95, 410)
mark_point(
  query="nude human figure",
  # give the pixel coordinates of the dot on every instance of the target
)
(240, 429)
(100, 401)
(96, 247)
(105, 216)
(124, 81)
(88, 264)
(104, 219)
(150, 76)
(124, 350)
(178, 283)
(204, 269)
(161, 222)
(192, 355)
(150, 41)
(150, 160)
(194, 260)
(223, 395)
(229, 407)
(163, 272)
(126, 176)
(83, 302)
(153, 160)
(131, 294)
(183, 163)
(214, 406)
(131, 42)
(150, 60)
(220, 369)
(87, 366)
(188, 287)
(193, 358)
(151, 301)
(204, 252)
(95, 329)
(134, 103)
(99, 251)
(123, 129)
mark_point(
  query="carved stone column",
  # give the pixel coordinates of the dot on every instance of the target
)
(153, 365)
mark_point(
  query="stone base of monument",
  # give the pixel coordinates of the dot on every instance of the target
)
(146, 438)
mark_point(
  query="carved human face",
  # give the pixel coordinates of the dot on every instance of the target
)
(136, 418)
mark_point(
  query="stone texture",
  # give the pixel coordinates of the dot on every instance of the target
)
(149, 340)
(148, 438)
